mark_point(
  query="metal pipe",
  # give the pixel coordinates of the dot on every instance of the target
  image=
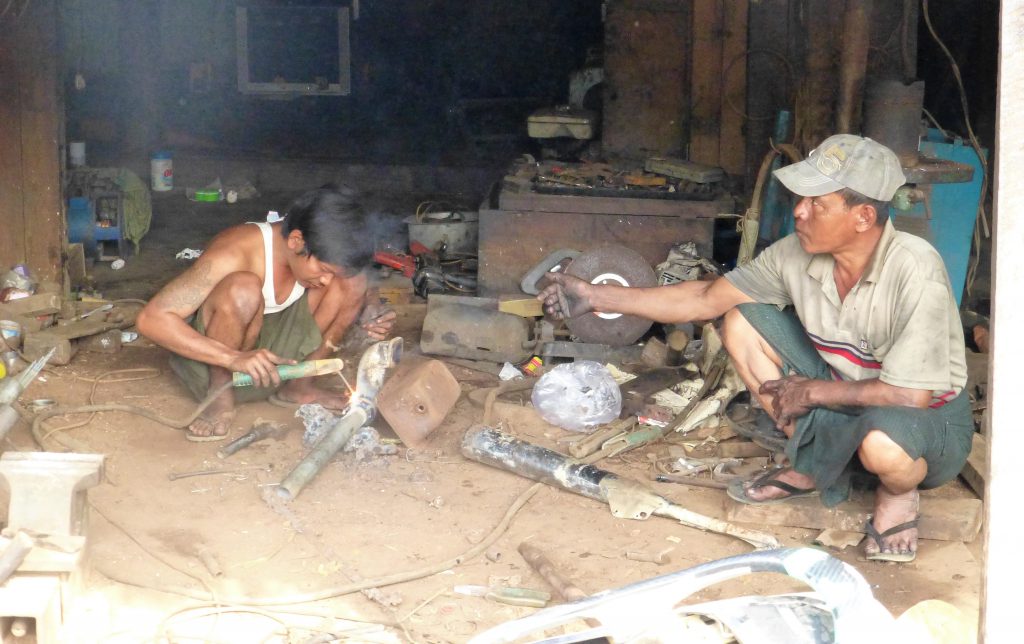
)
(362, 408)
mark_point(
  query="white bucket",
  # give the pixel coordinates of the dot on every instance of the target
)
(162, 171)
(76, 153)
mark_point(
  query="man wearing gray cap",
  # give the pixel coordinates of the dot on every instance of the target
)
(848, 334)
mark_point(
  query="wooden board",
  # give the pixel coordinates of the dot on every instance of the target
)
(733, 133)
(706, 81)
(647, 78)
(975, 471)
(528, 307)
(942, 519)
(31, 118)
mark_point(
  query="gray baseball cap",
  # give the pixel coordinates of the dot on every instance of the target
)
(845, 161)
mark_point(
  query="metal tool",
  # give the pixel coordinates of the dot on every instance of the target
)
(13, 387)
(627, 498)
(540, 562)
(621, 266)
(507, 595)
(292, 371)
(261, 429)
(369, 377)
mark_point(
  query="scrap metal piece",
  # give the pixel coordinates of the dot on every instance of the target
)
(417, 399)
(627, 498)
(473, 329)
(841, 607)
(611, 264)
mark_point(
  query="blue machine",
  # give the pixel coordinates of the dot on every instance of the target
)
(945, 203)
(97, 222)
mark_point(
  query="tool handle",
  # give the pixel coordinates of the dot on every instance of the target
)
(293, 371)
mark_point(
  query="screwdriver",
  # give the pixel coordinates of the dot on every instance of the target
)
(507, 595)
(293, 371)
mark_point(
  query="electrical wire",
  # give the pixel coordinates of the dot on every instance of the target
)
(981, 226)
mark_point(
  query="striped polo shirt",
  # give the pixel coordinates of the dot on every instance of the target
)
(899, 323)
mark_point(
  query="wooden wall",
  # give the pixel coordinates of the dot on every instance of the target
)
(32, 228)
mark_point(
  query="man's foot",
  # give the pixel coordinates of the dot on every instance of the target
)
(303, 391)
(773, 486)
(892, 531)
(210, 426)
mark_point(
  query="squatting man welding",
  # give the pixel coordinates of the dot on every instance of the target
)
(866, 360)
(263, 295)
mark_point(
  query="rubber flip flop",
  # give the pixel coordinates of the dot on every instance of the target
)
(196, 438)
(756, 425)
(277, 401)
(738, 492)
(877, 537)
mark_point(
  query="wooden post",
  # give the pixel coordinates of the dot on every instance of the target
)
(32, 224)
(706, 85)
(1003, 571)
(733, 135)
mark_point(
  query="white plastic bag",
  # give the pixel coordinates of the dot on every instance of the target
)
(577, 396)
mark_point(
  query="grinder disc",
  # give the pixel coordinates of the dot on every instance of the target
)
(611, 264)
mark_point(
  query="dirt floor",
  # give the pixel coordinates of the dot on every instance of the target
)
(359, 520)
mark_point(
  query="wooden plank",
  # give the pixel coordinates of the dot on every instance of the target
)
(12, 222)
(732, 131)
(942, 519)
(706, 84)
(527, 307)
(41, 118)
(647, 78)
(975, 471)
(609, 205)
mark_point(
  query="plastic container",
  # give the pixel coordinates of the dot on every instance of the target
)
(76, 153)
(162, 171)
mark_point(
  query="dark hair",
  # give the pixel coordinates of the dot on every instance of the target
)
(334, 227)
(854, 198)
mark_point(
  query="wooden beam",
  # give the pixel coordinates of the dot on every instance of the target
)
(706, 81)
(943, 519)
(12, 223)
(975, 471)
(732, 154)
(1000, 606)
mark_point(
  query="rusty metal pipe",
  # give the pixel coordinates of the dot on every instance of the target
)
(627, 498)
(362, 408)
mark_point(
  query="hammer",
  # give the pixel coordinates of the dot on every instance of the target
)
(260, 429)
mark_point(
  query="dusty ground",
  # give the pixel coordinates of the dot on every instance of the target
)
(361, 520)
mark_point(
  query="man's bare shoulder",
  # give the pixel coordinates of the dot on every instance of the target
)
(235, 248)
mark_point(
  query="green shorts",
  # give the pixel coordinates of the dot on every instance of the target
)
(291, 333)
(825, 442)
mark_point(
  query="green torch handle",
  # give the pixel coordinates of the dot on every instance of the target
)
(293, 371)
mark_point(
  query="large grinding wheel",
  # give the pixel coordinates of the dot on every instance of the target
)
(611, 265)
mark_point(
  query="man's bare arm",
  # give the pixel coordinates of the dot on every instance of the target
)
(683, 302)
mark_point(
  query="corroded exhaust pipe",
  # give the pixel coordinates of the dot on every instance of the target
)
(628, 499)
(362, 408)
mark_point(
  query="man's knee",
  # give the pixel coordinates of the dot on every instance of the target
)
(735, 330)
(881, 454)
(239, 294)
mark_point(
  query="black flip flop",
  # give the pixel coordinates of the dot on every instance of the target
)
(877, 537)
(738, 490)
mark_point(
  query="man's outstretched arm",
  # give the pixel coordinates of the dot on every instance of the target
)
(568, 297)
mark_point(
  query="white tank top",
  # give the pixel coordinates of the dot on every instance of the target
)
(270, 304)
